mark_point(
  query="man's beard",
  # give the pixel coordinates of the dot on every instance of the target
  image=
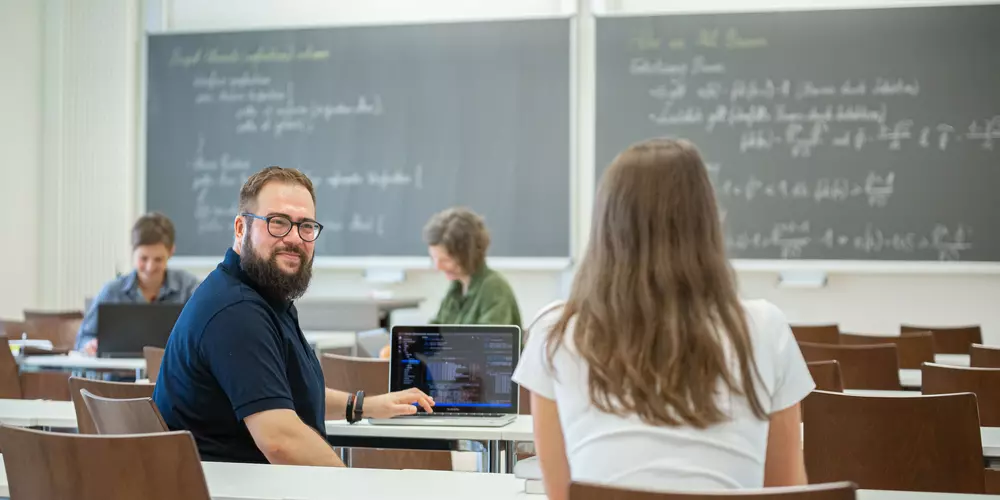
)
(271, 280)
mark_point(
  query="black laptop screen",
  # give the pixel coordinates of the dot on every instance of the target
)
(464, 370)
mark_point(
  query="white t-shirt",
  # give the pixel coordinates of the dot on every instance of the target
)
(623, 451)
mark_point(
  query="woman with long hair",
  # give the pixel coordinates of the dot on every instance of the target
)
(654, 374)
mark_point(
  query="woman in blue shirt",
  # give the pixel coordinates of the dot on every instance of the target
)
(149, 282)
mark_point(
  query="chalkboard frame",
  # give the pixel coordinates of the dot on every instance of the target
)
(376, 262)
(602, 10)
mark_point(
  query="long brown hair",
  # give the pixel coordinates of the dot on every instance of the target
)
(656, 311)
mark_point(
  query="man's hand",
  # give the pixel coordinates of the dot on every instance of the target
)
(397, 403)
(90, 348)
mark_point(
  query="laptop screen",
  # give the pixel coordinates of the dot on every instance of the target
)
(466, 369)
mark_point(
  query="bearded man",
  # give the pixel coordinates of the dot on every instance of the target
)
(237, 372)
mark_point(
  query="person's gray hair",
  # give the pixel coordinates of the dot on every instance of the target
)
(463, 235)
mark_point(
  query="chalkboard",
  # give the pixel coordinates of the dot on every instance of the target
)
(391, 123)
(836, 135)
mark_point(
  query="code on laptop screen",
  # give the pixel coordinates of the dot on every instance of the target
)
(459, 370)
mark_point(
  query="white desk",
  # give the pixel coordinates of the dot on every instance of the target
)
(283, 482)
(882, 394)
(910, 378)
(952, 359)
(331, 340)
(37, 413)
(77, 361)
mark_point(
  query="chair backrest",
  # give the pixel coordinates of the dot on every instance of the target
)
(831, 491)
(162, 466)
(920, 443)
(349, 374)
(338, 315)
(114, 390)
(950, 340)
(12, 329)
(861, 366)
(983, 382)
(124, 416)
(154, 357)
(58, 327)
(817, 334)
(984, 356)
(914, 349)
(10, 381)
(826, 375)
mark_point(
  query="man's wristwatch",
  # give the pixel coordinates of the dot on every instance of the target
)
(359, 406)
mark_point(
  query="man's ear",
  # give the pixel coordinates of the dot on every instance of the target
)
(239, 226)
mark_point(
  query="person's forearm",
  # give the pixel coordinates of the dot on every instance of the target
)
(303, 446)
(336, 405)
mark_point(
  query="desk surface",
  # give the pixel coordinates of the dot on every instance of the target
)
(37, 413)
(76, 361)
(331, 340)
(952, 359)
(910, 378)
(277, 482)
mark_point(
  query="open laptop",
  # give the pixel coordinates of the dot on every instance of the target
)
(466, 369)
(124, 329)
(371, 342)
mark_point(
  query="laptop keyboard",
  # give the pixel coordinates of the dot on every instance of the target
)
(450, 414)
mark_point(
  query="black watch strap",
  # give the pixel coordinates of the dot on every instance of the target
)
(349, 414)
(359, 406)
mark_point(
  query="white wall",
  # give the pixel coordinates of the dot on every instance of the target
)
(861, 302)
(20, 142)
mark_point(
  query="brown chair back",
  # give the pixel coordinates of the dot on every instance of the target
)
(950, 340)
(983, 382)
(350, 374)
(154, 356)
(831, 491)
(58, 327)
(826, 375)
(10, 381)
(984, 356)
(861, 366)
(163, 466)
(817, 334)
(114, 390)
(53, 386)
(523, 400)
(124, 416)
(12, 329)
(914, 349)
(921, 443)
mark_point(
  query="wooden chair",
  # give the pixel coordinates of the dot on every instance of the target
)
(349, 374)
(124, 416)
(163, 466)
(914, 349)
(983, 382)
(831, 491)
(861, 366)
(817, 334)
(12, 329)
(154, 356)
(58, 327)
(29, 385)
(983, 356)
(950, 340)
(921, 443)
(827, 376)
(113, 390)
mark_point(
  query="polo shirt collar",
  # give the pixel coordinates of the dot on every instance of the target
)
(171, 283)
(231, 263)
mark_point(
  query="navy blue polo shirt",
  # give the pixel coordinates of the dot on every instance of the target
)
(231, 354)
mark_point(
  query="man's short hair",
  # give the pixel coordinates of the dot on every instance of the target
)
(152, 229)
(251, 188)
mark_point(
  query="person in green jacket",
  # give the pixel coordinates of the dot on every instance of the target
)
(457, 240)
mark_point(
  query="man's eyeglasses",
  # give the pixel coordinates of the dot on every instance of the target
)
(279, 226)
